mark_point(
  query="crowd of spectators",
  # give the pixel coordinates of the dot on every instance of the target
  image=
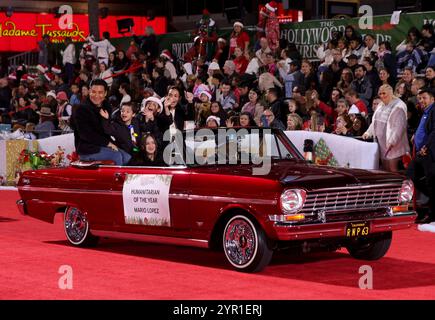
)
(358, 89)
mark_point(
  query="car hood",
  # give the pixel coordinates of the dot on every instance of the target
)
(316, 177)
(303, 174)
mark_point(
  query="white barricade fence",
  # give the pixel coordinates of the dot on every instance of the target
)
(348, 152)
(50, 145)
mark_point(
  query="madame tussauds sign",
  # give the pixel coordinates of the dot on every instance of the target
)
(309, 35)
(22, 31)
(10, 29)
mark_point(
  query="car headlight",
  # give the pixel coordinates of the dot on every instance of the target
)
(292, 200)
(406, 192)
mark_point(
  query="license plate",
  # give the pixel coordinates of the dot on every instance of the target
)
(357, 229)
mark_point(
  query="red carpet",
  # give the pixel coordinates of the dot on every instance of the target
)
(32, 252)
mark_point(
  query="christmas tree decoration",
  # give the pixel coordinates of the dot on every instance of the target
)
(323, 154)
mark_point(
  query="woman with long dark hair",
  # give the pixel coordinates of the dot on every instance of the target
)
(151, 153)
(345, 80)
(309, 78)
(430, 76)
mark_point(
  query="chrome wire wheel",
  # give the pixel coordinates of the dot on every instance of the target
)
(76, 225)
(240, 242)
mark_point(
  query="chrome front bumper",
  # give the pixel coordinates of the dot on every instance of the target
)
(402, 220)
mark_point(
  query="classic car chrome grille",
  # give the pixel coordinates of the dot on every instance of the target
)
(352, 198)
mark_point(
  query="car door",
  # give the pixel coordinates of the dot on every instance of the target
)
(151, 200)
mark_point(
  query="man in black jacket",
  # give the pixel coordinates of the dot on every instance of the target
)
(275, 104)
(91, 142)
(147, 43)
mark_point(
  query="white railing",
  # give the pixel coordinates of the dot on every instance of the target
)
(29, 58)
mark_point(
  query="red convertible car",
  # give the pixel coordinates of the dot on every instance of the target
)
(246, 191)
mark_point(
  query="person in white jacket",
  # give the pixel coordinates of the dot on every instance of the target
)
(69, 58)
(389, 127)
(104, 47)
(105, 74)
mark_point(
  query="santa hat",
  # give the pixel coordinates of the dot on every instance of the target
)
(31, 77)
(12, 76)
(51, 93)
(205, 12)
(56, 69)
(214, 66)
(188, 67)
(221, 40)
(195, 39)
(238, 23)
(42, 67)
(199, 89)
(49, 76)
(217, 119)
(207, 93)
(272, 6)
(24, 77)
(167, 54)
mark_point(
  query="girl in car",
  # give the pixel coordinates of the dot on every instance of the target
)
(151, 153)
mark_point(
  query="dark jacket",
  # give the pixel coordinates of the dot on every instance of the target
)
(430, 131)
(157, 127)
(141, 160)
(160, 85)
(276, 107)
(5, 99)
(364, 89)
(373, 78)
(148, 44)
(122, 133)
(89, 133)
(310, 82)
(182, 114)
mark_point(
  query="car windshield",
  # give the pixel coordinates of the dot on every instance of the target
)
(233, 146)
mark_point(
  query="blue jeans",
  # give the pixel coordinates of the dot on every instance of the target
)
(120, 157)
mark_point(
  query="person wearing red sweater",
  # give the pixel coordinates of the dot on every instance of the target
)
(352, 97)
(240, 61)
(238, 38)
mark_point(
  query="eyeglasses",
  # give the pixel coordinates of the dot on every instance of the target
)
(268, 115)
